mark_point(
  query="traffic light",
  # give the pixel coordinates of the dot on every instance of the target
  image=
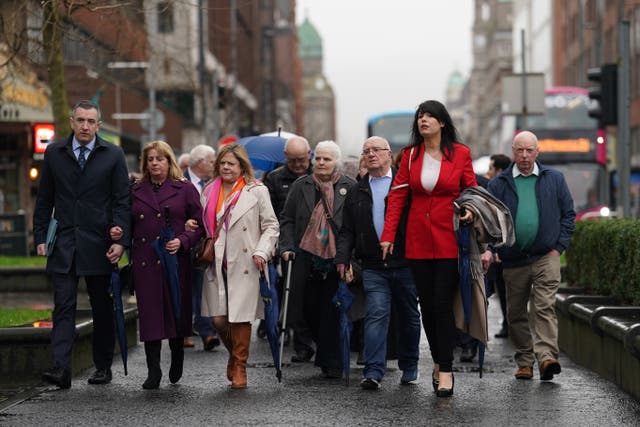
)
(605, 95)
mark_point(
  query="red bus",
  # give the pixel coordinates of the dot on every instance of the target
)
(570, 141)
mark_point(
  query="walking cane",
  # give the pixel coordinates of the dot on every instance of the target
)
(287, 285)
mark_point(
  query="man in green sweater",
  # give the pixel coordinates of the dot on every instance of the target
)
(541, 205)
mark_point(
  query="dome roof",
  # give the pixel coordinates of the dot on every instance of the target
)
(310, 42)
(456, 79)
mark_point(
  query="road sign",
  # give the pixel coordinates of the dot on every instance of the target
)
(158, 121)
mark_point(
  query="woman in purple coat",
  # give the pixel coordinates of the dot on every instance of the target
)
(162, 185)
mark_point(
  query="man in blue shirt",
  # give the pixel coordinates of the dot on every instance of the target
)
(385, 280)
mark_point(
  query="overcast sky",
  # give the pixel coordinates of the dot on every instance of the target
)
(388, 55)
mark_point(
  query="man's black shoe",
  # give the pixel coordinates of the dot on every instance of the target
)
(100, 376)
(58, 376)
(303, 356)
(468, 353)
(503, 333)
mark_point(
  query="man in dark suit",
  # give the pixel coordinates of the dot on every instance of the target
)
(85, 184)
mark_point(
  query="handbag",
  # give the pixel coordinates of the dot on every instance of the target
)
(205, 253)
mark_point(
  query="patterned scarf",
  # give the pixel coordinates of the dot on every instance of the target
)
(216, 203)
(318, 238)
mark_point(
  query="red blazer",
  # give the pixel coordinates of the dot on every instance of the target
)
(430, 224)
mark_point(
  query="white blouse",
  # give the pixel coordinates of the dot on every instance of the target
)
(430, 172)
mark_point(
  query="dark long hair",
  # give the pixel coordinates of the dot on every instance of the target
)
(449, 133)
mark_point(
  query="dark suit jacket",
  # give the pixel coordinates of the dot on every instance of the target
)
(87, 203)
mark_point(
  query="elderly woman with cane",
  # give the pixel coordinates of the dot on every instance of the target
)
(306, 233)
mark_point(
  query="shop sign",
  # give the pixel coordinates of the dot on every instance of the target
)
(43, 134)
(23, 98)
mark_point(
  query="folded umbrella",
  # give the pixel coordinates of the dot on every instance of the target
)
(169, 263)
(115, 290)
(343, 299)
(269, 296)
(469, 288)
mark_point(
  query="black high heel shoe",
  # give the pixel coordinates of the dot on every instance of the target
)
(446, 392)
(434, 380)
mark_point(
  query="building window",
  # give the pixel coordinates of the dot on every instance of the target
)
(165, 17)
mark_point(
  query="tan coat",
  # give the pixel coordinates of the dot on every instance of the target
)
(253, 230)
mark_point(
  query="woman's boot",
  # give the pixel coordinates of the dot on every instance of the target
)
(177, 359)
(240, 337)
(152, 352)
(225, 337)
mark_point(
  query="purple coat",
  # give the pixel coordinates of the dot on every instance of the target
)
(152, 290)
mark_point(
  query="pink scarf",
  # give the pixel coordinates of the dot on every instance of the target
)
(318, 238)
(215, 204)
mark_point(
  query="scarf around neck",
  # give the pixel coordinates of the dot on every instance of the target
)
(318, 238)
(216, 203)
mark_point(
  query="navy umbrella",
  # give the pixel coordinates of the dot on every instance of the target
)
(269, 296)
(265, 152)
(343, 299)
(463, 236)
(115, 290)
(169, 263)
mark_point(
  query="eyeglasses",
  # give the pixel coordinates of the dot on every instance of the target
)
(89, 122)
(298, 159)
(374, 150)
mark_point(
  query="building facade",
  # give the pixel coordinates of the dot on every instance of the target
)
(319, 99)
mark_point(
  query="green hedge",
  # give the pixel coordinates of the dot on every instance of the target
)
(604, 256)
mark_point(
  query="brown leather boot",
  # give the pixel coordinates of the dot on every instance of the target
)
(225, 337)
(240, 337)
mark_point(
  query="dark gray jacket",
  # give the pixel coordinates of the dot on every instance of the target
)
(299, 205)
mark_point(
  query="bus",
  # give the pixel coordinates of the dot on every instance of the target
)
(394, 126)
(571, 142)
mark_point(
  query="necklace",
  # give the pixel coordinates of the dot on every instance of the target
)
(156, 186)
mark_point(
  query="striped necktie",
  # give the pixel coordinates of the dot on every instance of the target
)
(82, 160)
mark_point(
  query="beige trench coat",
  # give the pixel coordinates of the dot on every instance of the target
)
(253, 230)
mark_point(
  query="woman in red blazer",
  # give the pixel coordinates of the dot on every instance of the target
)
(434, 170)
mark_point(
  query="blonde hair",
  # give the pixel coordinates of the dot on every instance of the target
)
(165, 150)
(240, 153)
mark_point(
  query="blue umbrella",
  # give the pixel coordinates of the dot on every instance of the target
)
(463, 237)
(265, 152)
(343, 299)
(115, 290)
(269, 296)
(169, 264)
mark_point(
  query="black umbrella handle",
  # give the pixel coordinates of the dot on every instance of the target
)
(167, 216)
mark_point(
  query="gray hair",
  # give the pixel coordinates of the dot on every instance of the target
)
(335, 148)
(200, 152)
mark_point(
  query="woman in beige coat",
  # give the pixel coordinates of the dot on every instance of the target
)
(240, 206)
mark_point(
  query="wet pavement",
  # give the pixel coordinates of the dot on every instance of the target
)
(202, 397)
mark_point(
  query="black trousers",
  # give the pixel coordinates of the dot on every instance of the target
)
(436, 281)
(65, 292)
(313, 317)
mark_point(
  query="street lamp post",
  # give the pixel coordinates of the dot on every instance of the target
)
(151, 115)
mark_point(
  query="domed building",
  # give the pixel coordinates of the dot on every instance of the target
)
(318, 97)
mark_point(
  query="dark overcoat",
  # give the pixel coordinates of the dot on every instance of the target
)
(152, 289)
(87, 203)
